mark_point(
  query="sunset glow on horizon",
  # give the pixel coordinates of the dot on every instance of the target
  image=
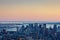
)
(27, 10)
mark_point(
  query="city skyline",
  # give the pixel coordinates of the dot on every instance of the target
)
(30, 10)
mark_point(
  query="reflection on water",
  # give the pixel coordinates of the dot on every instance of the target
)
(11, 29)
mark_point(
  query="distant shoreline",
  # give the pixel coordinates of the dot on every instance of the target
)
(27, 22)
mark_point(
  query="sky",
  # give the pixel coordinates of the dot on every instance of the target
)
(30, 10)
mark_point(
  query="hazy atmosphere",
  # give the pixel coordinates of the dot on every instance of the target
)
(30, 10)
